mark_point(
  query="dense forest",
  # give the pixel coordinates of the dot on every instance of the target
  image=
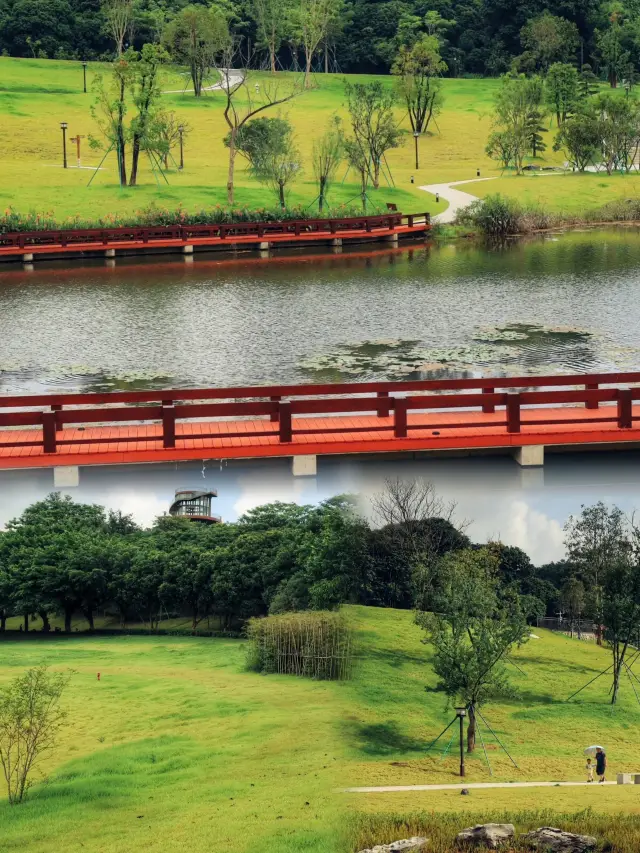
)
(66, 559)
(477, 37)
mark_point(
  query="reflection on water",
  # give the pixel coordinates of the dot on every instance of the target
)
(501, 500)
(568, 303)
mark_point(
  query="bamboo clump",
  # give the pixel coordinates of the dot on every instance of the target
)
(313, 645)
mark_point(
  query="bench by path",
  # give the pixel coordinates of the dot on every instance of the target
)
(459, 787)
(457, 199)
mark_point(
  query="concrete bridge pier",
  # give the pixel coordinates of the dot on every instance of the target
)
(304, 466)
(27, 257)
(109, 253)
(530, 456)
(66, 476)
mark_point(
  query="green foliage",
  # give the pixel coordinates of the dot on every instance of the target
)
(548, 39)
(30, 720)
(419, 69)
(373, 126)
(314, 645)
(495, 215)
(195, 37)
(562, 90)
(517, 120)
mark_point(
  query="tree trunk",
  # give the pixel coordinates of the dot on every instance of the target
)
(3, 621)
(272, 57)
(323, 182)
(26, 622)
(135, 156)
(471, 730)
(195, 79)
(307, 68)
(326, 58)
(46, 625)
(376, 174)
(89, 617)
(68, 613)
(232, 162)
(281, 194)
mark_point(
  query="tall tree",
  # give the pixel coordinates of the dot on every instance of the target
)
(327, 154)
(243, 103)
(548, 39)
(196, 37)
(613, 55)
(272, 19)
(313, 21)
(419, 70)
(474, 624)
(146, 96)
(562, 90)
(109, 110)
(373, 124)
(118, 16)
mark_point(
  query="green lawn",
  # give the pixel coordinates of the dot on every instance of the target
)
(179, 748)
(36, 95)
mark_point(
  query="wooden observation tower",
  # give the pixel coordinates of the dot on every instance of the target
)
(195, 505)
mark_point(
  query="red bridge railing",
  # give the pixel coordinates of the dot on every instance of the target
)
(521, 399)
(110, 236)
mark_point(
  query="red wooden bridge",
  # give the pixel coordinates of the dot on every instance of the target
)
(371, 417)
(29, 245)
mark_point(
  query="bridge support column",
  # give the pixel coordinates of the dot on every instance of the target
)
(264, 246)
(109, 253)
(187, 250)
(530, 456)
(66, 476)
(27, 257)
(304, 466)
(391, 238)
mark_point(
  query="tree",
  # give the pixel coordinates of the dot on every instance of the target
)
(242, 104)
(30, 719)
(109, 111)
(562, 90)
(272, 18)
(419, 71)
(313, 19)
(579, 138)
(372, 123)
(474, 624)
(145, 129)
(276, 159)
(165, 131)
(572, 599)
(503, 146)
(518, 115)
(548, 39)
(195, 37)
(118, 16)
(327, 154)
(588, 82)
(613, 56)
(618, 122)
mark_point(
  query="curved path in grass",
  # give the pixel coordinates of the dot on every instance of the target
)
(235, 78)
(457, 199)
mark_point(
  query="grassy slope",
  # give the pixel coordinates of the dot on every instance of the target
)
(179, 748)
(35, 95)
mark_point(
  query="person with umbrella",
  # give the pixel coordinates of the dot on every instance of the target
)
(601, 762)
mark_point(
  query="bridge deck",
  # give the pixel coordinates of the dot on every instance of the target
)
(105, 445)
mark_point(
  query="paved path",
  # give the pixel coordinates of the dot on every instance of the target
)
(457, 199)
(387, 788)
(235, 77)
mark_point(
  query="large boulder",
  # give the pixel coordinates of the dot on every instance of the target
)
(548, 838)
(489, 834)
(405, 845)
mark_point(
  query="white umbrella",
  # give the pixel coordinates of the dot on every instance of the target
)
(591, 750)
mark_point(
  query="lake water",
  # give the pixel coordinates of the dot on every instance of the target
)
(558, 304)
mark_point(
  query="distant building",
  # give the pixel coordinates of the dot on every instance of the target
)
(196, 505)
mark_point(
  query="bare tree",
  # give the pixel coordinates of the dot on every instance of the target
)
(327, 154)
(244, 100)
(30, 719)
(314, 19)
(118, 15)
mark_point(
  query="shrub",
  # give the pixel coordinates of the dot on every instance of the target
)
(314, 644)
(11, 221)
(495, 215)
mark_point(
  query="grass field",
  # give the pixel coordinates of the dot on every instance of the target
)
(179, 748)
(36, 95)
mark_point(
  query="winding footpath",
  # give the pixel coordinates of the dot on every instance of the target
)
(235, 78)
(457, 199)
(388, 788)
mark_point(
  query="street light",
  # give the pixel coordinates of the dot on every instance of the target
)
(63, 127)
(84, 71)
(416, 136)
(461, 713)
(181, 131)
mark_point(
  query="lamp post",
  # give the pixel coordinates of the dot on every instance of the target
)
(416, 136)
(461, 713)
(84, 72)
(181, 131)
(63, 127)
